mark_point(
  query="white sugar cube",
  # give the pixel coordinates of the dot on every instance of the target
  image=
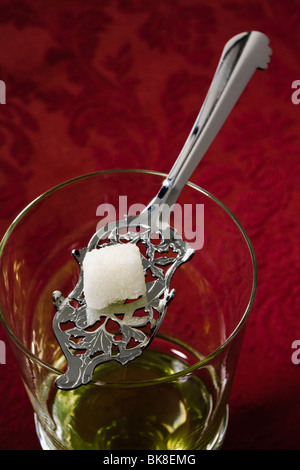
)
(112, 274)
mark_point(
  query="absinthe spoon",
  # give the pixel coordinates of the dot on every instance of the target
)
(241, 56)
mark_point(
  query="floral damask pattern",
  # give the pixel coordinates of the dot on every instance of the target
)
(118, 83)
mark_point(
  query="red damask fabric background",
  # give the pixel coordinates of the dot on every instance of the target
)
(118, 84)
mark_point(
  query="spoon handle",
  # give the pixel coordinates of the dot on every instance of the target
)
(241, 56)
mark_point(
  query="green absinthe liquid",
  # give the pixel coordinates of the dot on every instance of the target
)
(161, 416)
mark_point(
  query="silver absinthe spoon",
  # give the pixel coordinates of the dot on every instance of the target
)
(242, 55)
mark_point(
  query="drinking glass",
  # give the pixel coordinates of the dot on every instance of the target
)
(175, 395)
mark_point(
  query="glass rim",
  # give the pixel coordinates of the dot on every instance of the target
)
(205, 360)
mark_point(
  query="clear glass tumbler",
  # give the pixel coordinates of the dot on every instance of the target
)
(175, 395)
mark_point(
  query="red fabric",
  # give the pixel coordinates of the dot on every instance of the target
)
(118, 83)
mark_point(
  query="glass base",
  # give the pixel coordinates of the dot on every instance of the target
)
(47, 444)
(217, 443)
